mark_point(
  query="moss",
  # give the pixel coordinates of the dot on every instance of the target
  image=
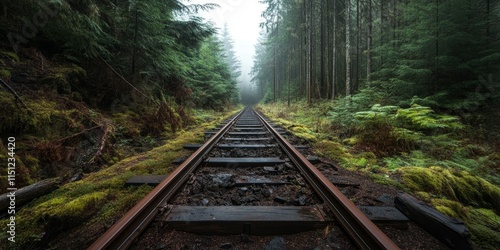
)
(332, 150)
(5, 73)
(9, 55)
(303, 132)
(423, 196)
(451, 208)
(484, 226)
(456, 185)
(364, 160)
(100, 198)
(386, 180)
(127, 123)
(351, 141)
(58, 83)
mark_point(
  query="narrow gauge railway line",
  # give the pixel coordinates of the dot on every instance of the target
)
(246, 178)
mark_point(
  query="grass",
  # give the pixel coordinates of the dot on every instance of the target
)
(428, 155)
(99, 198)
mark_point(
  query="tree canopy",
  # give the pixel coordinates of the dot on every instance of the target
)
(440, 53)
(154, 45)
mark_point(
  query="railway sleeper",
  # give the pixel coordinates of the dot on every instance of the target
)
(254, 220)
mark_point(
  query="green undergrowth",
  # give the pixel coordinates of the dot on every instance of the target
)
(99, 198)
(434, 156)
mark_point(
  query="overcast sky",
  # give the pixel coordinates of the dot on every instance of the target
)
(243, 19)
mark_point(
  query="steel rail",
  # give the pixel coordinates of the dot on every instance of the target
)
(122, 234)
(362, 230)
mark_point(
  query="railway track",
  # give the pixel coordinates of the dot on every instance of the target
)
(245, 179)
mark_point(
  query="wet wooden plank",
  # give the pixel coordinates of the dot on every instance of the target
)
(386, 216)
(247, 128)
(192, 146)
(242, 162)
(151, 180)
(247, 146)
(247, 133)
(257, 220)
(247, 139)
(451, 232)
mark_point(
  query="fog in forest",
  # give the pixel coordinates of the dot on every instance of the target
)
(242, 18)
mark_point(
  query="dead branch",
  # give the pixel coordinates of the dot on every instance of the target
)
(11, 90)
(77, 134)
(108, 128)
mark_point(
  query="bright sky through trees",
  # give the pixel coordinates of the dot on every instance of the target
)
(243, 18)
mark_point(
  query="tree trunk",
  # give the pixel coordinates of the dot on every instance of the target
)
(437, 48)
(28, 193)
(288, 81)
(309, 52)
(134, 52)
(334, 53)
(358, 41)
(348, 49)
(381, 33)
(369, 45)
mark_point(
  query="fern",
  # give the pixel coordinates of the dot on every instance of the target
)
(424, 118)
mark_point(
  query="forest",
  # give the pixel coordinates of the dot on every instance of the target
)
(403, 91)
(128, 70)
(406, 92)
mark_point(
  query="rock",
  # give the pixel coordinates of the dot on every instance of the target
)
(313, 159)
(328, 166)
(250, 198)
(223, 180)
(280, 200)
(245, 238)
(267, 192)
(271, 170)
(197, 188)
(227, 245)
(387, 199)
(277, 243)
(301, 201)
(78, 176)
(236, 201)
(204, 202)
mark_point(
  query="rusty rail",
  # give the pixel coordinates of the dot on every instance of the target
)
(362, 230)
(122, 234)
(365, 233)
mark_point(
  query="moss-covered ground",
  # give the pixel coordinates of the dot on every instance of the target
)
(434, 157)
(100, 198)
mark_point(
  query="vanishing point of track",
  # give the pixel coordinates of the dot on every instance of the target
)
(364, 233)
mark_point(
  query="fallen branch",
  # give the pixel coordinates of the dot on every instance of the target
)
(11, 90)
(77, 134)
(28, 193)
(107, 131)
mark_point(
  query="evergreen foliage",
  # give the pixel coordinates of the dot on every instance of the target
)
(150, 43)
(442, 54)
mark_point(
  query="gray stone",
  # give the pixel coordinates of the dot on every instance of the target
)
(280, 200)
(277, 243)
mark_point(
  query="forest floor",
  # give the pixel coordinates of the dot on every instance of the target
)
(460, 180)
(91, 149)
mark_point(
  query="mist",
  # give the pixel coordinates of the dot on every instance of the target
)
(243, 18)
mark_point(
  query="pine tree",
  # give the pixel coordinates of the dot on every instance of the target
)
(231, 59)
